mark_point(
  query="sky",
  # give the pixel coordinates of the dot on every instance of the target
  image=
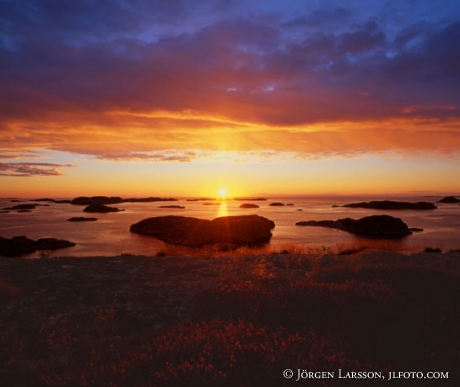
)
(183, 98)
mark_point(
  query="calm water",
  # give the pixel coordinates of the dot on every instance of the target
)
(110, 235)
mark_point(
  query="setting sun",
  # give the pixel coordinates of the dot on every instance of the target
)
(223, 192)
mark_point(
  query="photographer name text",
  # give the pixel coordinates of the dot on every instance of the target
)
(302, 374)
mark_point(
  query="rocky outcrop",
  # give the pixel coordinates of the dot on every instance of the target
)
(232, 231)
(51, 200)
(380, 226)
(375, 226)
(392, 205)
(276, 204)
(449, 199)
(250, 199)
(20, 245)
(148, 200)
(341, 224)
(181, 207)
(81, 219)
(22, 207)
(87, 201)
(95, 200)
(101, 208)
(249, 205)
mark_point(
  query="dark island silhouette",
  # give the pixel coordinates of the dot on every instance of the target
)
(231, 231)
(375, 226)
(449, 199)
(391, 205)
(249, 205)
(100, 208)
(81, 219)
(24, 207)
(20, 245)
(88, 200)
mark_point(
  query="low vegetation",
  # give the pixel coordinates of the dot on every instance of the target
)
(261, 314)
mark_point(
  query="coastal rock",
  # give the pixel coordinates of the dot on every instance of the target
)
(449, 199)
(380, 226)
(276, 204)
(81, 219)
(375, 226)
(249, 205)
(53, 244)
(51, 200)
(244, 230)
(149, 200)
(250, 199)
(100, 208)
(20, 245)
(95, 200)
(172, 207)
(22, 207)
(341, 224)
(391, 205)
(86, 201)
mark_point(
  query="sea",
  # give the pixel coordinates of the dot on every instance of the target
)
(110, 235)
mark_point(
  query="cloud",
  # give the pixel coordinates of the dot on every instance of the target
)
(31, 169)
(138, 81)
(164, 156)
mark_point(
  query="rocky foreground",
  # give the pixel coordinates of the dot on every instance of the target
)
(151, 291)
(181, 321)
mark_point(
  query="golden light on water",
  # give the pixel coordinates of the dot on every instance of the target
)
(223, 211)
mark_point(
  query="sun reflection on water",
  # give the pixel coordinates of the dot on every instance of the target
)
(223, 211)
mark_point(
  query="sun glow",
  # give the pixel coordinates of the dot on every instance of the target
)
(222, 192)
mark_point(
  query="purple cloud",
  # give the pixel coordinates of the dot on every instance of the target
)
(31, 169)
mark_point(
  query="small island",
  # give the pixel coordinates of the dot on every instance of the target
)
(101, 208)
(449, 199)
(249, 205)
(232, 231)
(20, 245)
(81, 219)
(391, 205)
(375, 226)
(22, 207)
